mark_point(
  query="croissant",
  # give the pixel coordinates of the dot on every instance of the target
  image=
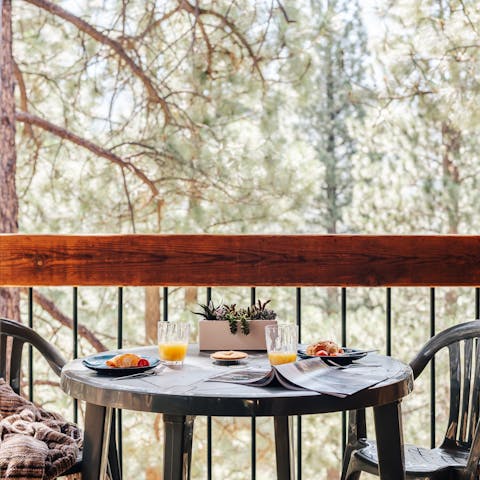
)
(123, 360)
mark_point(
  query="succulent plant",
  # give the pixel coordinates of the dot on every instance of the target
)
(211, 312)
(231, 318)
(237, 318)
(244, 326)
(259, 312)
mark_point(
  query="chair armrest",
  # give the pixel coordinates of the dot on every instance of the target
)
(52, 356)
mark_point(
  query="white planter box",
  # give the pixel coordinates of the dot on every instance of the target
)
(216, 335)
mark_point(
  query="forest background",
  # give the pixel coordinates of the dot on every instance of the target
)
(320, 116)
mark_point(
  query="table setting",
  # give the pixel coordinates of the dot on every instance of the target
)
(180, 380)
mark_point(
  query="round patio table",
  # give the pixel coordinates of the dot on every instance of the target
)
(182, 394)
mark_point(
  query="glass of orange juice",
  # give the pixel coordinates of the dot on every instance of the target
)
(173, 342)
(282, 342)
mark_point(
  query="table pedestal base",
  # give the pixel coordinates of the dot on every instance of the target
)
(178, 447)
(98, 424)
(388, 430)
(284, 447)
(178, 437)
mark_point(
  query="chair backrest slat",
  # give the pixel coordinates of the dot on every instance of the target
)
(455, 389)
(475, 394)
(16, 364)
(467, 381)
(3, 355)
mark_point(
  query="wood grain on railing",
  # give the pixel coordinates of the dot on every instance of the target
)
(239, 260)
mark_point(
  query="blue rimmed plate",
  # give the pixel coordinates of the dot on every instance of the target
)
(97, 363)
(349, 355)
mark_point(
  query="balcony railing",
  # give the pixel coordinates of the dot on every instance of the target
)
(338, 265)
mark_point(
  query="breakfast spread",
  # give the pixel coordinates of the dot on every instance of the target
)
(228, 355)
(126, 360)
(324, 348)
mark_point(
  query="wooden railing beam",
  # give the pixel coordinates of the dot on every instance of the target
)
(239, 260)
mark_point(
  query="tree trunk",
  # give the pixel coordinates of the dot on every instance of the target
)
(152, 295)
(331, 176)
(191, 296)
(152, 314)
(9, 298)
(451, 143)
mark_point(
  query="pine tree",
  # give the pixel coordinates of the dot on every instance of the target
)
(332, 95)
(9, 298)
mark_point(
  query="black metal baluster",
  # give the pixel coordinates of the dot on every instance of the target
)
(344, 315)
(209, 448)
(253, 452)
(118, 413)
(477, 303)
(30, 350)
(75, 343)
(388, 320)
(120, 318)
(432, 372)
(165, 304)
(253, 427)
(209, 419)
(298, 312)
(298, 320)
(344, 342)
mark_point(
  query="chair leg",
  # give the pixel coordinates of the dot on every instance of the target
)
(351, 472)
(357, 432)
(114, 468)
(354, 475)
(348, 464)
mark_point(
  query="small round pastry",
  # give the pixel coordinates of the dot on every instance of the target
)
(228, 355)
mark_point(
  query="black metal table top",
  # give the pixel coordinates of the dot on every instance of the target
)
(187, 391)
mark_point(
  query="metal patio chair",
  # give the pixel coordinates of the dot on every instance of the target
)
(458, 455)
(21, 334)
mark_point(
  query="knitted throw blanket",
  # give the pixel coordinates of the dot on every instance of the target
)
(34, 443)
